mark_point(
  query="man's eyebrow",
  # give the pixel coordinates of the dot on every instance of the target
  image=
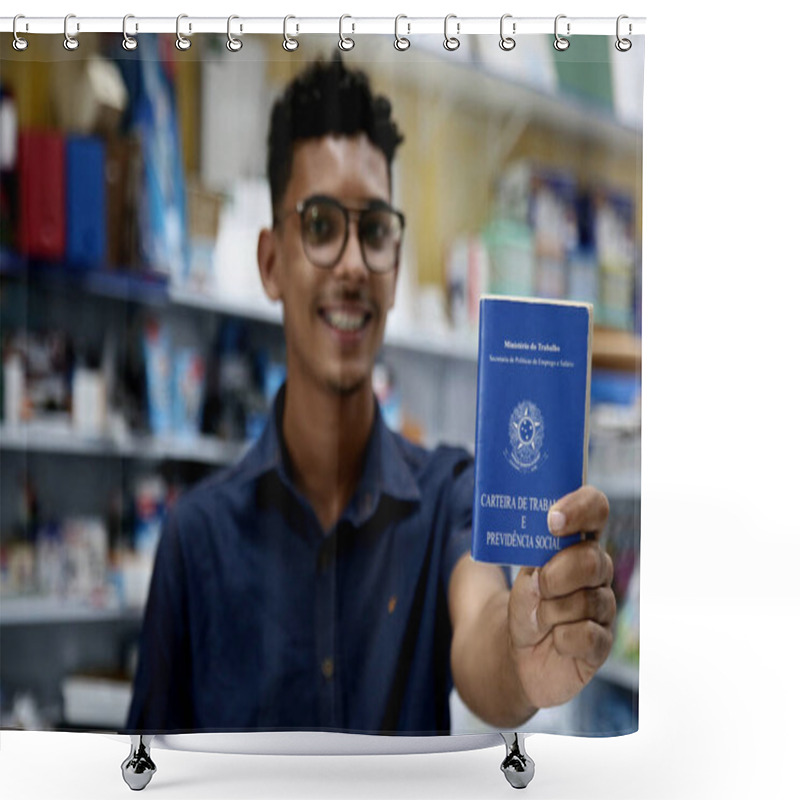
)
(377, 202)
(367, 203)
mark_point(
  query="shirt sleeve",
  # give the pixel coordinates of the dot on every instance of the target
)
(162, 687)
(459, 532)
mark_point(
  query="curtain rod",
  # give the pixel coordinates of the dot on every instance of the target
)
(186, 25)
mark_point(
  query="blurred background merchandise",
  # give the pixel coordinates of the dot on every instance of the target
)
(139, 352)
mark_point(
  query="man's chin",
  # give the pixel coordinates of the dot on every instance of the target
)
(346, 386)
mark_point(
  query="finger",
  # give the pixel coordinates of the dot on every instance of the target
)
(523, 604)
(596, 605)
(583, 511)
(585, 640)
(582, 566)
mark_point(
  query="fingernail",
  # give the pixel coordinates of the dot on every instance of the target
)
(535, 582)
(555, 521)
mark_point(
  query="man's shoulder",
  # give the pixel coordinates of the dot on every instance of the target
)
(226, 489)
(443, 461)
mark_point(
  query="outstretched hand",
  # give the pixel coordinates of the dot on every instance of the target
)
(560, 615)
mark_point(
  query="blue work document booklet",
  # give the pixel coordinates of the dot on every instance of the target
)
(531, 431)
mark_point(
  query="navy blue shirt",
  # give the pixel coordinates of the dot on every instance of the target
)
(259, 620)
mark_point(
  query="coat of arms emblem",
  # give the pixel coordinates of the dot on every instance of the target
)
(526, 436)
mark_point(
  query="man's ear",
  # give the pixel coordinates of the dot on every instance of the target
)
(267, 266)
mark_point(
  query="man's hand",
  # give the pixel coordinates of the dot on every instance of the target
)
(560, 615)
(540, 644)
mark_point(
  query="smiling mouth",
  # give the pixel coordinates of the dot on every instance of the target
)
(346, 320)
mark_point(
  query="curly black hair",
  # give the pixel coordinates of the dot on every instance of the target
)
(327, 98)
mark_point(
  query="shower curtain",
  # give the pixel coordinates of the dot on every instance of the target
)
(167, 564)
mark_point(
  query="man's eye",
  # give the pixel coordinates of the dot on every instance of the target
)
(376, 231)
(320, 227)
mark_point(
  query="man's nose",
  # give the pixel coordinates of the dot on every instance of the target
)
(351, 264)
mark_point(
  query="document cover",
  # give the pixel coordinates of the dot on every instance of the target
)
(531, 432)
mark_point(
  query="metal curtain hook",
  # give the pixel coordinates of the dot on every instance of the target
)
(70, 42)
(451, 42)
(345, 42)
(128, 42)
(623, 45)
(233, 44)
(290, 44)
(400, 42)
(560, 43)
(507, 42)
(181, 42)
(19, 43)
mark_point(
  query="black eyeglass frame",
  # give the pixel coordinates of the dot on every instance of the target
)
(371, 206)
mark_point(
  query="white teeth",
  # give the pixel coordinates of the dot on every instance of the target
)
(345, 321)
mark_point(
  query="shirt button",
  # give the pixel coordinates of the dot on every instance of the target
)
(327, 668)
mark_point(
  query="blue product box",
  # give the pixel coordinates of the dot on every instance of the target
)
(187, 391)
(158, 371)
(87, 240)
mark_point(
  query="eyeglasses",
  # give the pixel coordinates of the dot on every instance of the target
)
(325, 229)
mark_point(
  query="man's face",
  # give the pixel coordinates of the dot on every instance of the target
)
(333, 318)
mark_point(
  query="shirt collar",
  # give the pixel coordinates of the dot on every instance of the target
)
(386, 473)
(386, 469)
(265, 455)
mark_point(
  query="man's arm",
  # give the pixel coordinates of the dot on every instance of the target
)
(161, 694)
(540, 643)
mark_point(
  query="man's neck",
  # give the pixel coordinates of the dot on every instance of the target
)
(326, 436)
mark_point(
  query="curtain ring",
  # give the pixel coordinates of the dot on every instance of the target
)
(345, 42)
(181, 42)
(290, 43)
(128, 42)
(233, 44)
(400, 42)
(70, 42)
(19, 43)
(507, 42)
(560, 43)
(451, 42)
(623, 45)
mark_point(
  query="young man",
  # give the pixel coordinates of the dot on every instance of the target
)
(325, 581)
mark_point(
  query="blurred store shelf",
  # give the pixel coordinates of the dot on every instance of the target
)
(36, 437)
(44, 610)
(121, 284)
(613, 349)
(616, 349)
